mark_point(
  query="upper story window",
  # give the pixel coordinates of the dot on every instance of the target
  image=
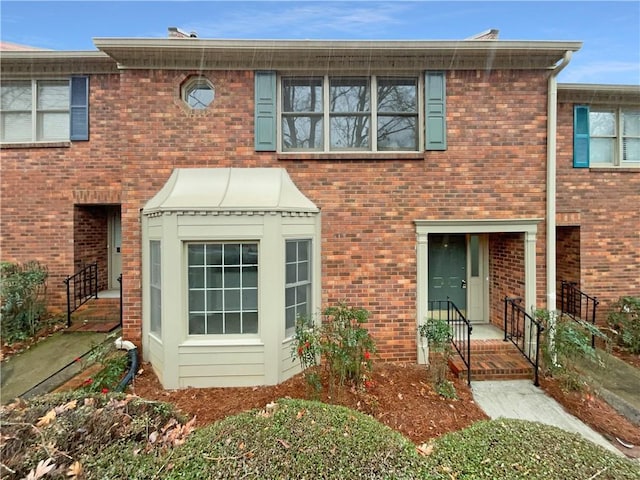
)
(44, 110)
(198, 93)
(349, 114)
(606, 137)
(614, 137)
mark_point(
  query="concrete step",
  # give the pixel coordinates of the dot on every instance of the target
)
(493, 360)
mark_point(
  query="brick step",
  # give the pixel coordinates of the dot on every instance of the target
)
(97, 315)
(504, 364)
(491, 346)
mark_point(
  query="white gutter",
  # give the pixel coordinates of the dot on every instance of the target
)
(552, 122)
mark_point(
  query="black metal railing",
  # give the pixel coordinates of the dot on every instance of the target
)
(578, 305)
(81, 287)
(459, 326)
(524, 332)
(121, 310)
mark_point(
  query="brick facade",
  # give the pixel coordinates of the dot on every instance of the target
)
(494, 167)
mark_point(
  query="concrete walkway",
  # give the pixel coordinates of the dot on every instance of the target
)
(520, 399)
(46, 365)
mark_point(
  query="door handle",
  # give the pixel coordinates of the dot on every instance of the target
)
(463, 284)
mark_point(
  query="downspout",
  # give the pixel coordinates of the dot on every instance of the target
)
(552, 122)
(132, 352)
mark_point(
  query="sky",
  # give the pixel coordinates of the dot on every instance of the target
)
(609, 30)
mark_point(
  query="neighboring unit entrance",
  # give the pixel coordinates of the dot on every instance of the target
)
(114, 245)
(448, 269)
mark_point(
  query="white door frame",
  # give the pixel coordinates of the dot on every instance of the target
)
(528, 226)
(114, 246)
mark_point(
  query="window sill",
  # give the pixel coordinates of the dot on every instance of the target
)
(634, 169)
(61, 144)
(350, 156)
(216, 341)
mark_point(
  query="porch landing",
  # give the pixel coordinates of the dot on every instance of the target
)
(492, 358)
(100, 314)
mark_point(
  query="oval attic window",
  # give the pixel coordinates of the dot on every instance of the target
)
(198, 93)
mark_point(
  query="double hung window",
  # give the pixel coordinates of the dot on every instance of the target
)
(614, 137)
(297, 283)
(349, 114)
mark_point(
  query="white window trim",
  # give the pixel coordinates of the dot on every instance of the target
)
(326, 114)
(309, 282)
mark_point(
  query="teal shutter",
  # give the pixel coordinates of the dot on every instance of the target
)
(79, 109)
(435, 100)
(580, 136)
(265, 112)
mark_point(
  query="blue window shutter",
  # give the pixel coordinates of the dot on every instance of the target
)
(580, 136)
(435, 100)
(79, 108)
(265, 112)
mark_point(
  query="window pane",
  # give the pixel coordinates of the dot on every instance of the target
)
(232, 254)
(397, 133)
(232, 323)
(474, 247)
(302, 132)
(347, 95)
(631, 123)
(53, 126)
(602, 150)
(231, 300)
(199, 96)
(291, 273)
(53, 95)
(196, 324)
(250, 254)
(214, 277)
(350, 132)
(602, 124)
(214, 323)
(631, 150)
(290, 318)
(214, 254)
(302, 294)
(232, 277)
(250, 322)
(398, 95)
(214, 301)
(290, 296)
(249, 300)
(303, 250)
(291, 248)
(196, 300)
(196, 254)
(302, 95)
(196, 277)
(16, 127)
(249, 277)
(16, 96)
(303, 271)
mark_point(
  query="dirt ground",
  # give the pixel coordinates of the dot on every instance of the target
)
(401, 397)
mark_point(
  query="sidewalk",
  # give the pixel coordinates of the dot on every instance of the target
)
(46, 365)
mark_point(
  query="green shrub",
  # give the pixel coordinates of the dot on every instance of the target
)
(22, 289)
(624, 320)
(516, 449)
(341, 340)
(437, 334)
(565, 344)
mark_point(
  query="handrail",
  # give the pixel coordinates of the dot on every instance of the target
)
(460, 329)
(578, 305)
(81, 287)
(524, 332)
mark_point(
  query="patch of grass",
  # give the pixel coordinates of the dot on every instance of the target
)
(520, 449)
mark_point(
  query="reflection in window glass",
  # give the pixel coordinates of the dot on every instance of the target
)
(155, 287)
(223, 288)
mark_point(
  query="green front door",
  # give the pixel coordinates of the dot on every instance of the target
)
(447, 269)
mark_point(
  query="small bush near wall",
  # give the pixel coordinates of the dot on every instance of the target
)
(23, 289)
(624, 321)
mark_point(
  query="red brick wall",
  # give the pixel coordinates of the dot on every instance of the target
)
(506, 267)
(567, 257)
(494, 168)
(90, 240)
(608, 204)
